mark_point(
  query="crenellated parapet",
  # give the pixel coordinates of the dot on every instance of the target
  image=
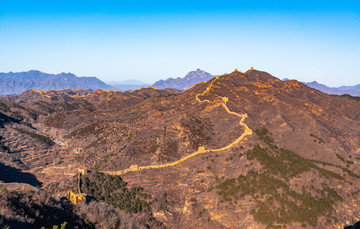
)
(248, 71)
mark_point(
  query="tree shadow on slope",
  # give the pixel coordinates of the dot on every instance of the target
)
(36, 210)
(4, 119)
(355, 226)
(10, 174)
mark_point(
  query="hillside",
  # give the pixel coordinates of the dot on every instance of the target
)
(18, 82)
(266, 152)
(188, 81)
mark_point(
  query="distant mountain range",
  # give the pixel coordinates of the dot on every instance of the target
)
(184, 83)
(126, 82)
(127, 85)
(15, 83)
(199, 75)
(18, 82)
(350, 90)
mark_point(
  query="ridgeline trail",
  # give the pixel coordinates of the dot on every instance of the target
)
(201, 150)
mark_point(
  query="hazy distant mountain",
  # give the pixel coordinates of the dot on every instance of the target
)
(184, 83)
(128, 85)
(17, 82)
(127, 82)
(350, 90)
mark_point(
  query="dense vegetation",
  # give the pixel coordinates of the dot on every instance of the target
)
(113, 191)
(276, 201)
(262, 134)
(38, 137)
(286, 163)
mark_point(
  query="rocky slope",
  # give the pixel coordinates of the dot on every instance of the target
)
(18, 82)
(298, 169)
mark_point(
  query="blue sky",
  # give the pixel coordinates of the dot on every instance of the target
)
(150, 40)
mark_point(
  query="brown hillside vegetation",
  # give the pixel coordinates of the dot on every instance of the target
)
(299, 168)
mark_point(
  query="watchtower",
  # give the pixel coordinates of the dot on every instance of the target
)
(75, 198)
(82, 171)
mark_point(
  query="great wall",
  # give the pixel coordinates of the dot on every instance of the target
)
(77, 198)
(201, 150)
(80, 197)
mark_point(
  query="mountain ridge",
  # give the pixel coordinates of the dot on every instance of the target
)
(342, 90)
(18, 82)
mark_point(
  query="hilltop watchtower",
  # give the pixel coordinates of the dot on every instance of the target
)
(82, 171)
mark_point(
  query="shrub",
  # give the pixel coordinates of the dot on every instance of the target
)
(340, 157)
(262, 134)
(318, 138)
(4, 190)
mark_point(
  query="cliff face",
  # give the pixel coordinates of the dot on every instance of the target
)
(188, 81)
(15, 83)
(301, 158)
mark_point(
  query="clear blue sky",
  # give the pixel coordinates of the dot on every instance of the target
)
(150, 40)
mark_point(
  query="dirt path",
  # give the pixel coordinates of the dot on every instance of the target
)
(201, 150)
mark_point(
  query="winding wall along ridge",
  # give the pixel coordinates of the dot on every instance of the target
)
(201, 150)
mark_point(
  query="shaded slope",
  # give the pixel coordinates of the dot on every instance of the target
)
(9, 174)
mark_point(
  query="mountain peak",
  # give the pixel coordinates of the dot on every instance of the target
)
(186, 82)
